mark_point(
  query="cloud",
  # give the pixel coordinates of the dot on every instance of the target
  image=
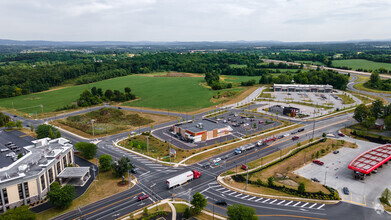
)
(195, 20)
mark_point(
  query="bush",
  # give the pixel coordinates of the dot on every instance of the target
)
(44, 130)
(87, 150)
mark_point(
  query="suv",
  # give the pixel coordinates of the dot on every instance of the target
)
(134, 170)
(318, 162)
(300, 130)
(295, 137)
(345, 190)
(315, 180)
(221, 202)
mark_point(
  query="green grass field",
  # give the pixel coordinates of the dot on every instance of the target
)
(310, 62)
(174, 93)
(361, 64)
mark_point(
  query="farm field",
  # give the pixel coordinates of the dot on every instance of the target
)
(168, 93)
(361, 64)
(310, 62)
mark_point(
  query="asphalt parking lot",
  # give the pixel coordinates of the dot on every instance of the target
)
(335, 173)
(240, 127)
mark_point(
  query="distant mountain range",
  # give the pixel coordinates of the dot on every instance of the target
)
(176, 43)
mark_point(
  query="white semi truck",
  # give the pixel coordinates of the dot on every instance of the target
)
(183, 178)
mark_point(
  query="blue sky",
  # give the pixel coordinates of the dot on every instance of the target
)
(195, 20)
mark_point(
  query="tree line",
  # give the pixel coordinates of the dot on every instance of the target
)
(367, 115)
(97, 96)
(375, 82)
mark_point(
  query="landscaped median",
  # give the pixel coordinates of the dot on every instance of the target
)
(154, 149)
(272, 176)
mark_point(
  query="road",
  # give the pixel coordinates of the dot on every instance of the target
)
(152, 177)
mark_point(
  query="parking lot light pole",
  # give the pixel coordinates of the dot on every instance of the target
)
(247, 177)
(147, 144)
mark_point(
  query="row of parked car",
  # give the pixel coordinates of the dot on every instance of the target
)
(10, 146)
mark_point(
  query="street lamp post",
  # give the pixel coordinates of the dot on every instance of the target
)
(92, 125)
(247, 176)
(147, 144)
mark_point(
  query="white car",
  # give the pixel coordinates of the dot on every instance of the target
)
(286, 135)
(217, 160)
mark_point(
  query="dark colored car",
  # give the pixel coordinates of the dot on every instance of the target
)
(295, 137)
(221, 202)
(300, 130)
(318, 162)
(143, 197)
(345, 190)
(294, 132)
(341, 134)
(336, 152)
(134, 170)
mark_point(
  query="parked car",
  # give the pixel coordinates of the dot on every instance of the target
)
(294, 132)
(345, 190)
(134, 170)
(300, 130)
(315, 180)
(318, 162)
(281, 136)
(341, 134)
(336, 152)
(295, 137)
(244, 167)
(261, 122)
(4, 150)
(143, 197)
(205, 165)
(9, 143)
(226, 157)
(221, 202)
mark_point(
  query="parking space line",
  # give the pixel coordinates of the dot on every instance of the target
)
(226, 191)
(245, 196)
(265, 200)
(252, 198)
(305, 204)
(313, 205)
(220, 189)
(289, 203)
(238, 195)
(321, 206)
(281, 202)
(232, 193)
(273, 201)
(297, 204)
(258, 199)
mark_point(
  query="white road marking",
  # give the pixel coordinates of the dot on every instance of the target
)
(297, 204)
(281, 202)
(289, 203)
(265, 200)
(245, 196)
(321, 206)
(273, 201)
(305, 204)
(238, 195)
(252, 198)
(220, 189)
(258, 199)
(313, 205)
(226, 191)
(232, 193)
(204, 190)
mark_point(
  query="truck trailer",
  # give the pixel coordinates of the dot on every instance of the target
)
(183, 178)
(243, 148)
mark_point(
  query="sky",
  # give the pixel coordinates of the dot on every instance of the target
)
(195, 20)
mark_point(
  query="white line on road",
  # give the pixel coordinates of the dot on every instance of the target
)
(313, 205)
(238, 195)
(265, 200)
(297, 204)
(305, 204)
(204, 190)
(232, 193)
(245, 196)
(321, 206)
(252, 198)
(273, 201)
(281, 202)
(220, 189)
(289, 203)
(258, 199)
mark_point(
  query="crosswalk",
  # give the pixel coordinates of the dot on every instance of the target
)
(153, 165)
(286, 203)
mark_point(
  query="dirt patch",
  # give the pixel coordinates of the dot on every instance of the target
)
(31, 98)
(289, 182)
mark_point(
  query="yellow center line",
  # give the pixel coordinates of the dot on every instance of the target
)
(107, 206)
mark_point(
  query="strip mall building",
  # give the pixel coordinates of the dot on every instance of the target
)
(202, 130)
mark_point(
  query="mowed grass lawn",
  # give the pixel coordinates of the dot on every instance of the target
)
(173, 93)
(361, 64)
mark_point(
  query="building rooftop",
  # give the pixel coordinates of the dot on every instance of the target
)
(73, 172)
(371, 159)
(201, 125)
(36, 157)
(302, 85)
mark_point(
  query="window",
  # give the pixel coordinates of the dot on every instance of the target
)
(43, 185)
(50, 175)
(26, 189)
(69, 157)
(20, 190)
(64, 160)
(58, 167)
(5, 196)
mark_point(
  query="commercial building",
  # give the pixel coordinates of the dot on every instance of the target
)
(302, 88)
(367, 162)
(283, 110)
(27, 179)
(202, 130)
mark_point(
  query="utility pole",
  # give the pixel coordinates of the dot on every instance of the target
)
(313, 127)
(147, 144)
(247, 177)
(128, 179)
(92, 126)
